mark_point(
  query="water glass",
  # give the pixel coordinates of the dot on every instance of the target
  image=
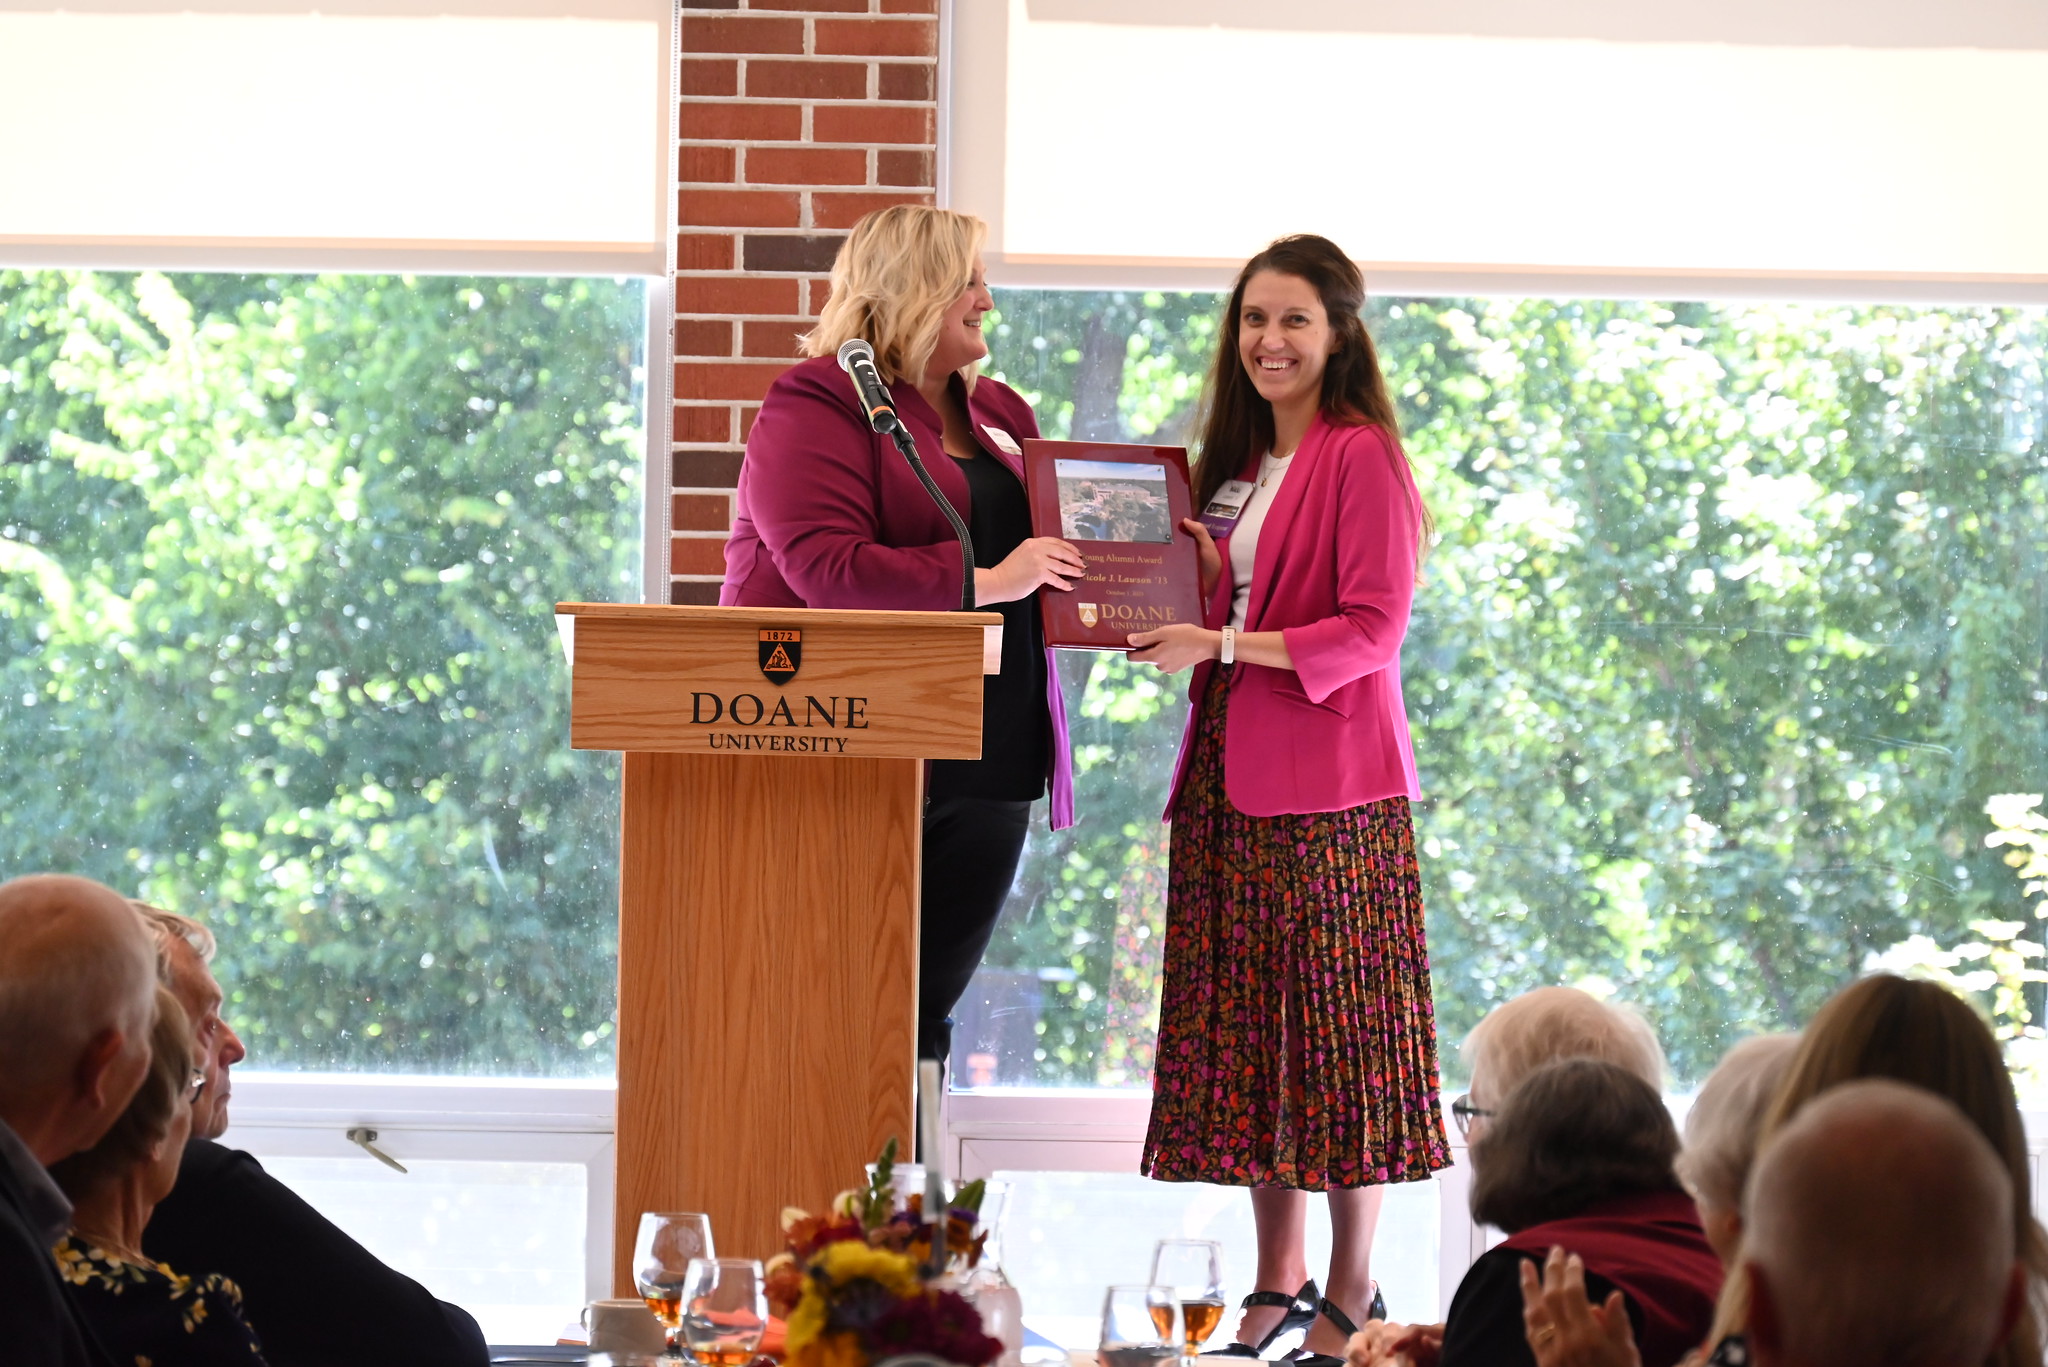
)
(1141, 1327)
(725, 1311)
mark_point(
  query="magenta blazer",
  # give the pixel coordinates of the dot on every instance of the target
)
(829, 515)
(1334, 575)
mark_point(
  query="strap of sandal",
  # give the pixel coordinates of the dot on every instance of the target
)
(1330, 1311)
(1275, 1298)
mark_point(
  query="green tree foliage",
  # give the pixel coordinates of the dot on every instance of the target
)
(1739, 615)
(277, 561)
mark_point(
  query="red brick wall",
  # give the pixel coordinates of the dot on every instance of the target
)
(798, 116)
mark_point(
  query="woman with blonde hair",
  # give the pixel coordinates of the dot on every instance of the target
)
(141, 1310)
(829, 515)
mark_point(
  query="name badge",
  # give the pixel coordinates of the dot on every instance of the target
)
(1005, 443)
(1220, 517)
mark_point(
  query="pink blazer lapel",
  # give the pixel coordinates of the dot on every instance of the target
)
(1280, 516)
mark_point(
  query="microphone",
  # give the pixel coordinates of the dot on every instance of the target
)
(857, 359)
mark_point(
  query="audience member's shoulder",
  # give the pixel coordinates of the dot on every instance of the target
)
(210, 1174)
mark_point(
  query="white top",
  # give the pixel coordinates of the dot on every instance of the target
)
(1244, 538)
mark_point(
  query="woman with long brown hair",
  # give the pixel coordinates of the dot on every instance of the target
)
(1297, 1036)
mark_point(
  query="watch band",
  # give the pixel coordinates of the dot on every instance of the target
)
(1229, 653)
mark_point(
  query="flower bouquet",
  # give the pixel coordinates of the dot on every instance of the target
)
(857, 1287)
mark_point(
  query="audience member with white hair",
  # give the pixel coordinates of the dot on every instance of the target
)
(1721, 1133)
(293, 1266)
(77, 1000)
(1880, 1234)
(1512, 1041)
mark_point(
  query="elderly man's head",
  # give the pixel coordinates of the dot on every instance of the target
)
(1551, 1023)
(1879, 1232)
(184, 951)
(77, 1000)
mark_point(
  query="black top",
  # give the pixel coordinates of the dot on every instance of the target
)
(147, 1313)
(1483, 1327)
(316, 1297)
(38, 1324)
(1015, 724)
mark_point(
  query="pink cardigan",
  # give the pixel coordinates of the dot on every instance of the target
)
(1334, 574)
(829, 515)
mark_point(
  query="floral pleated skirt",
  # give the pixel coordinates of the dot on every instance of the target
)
(1297, 1037)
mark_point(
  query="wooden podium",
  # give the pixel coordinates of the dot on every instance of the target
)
(768, 889)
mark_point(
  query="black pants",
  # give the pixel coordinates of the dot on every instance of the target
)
(971, 849)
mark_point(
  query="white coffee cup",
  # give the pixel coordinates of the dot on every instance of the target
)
(623, 1326)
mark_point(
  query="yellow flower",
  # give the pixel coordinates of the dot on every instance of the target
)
(837, 1264)
(850, 1260)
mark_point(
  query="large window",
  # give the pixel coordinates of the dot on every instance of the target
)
(1738, 619)
(278, 556)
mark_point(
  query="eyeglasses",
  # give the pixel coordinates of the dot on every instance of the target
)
(195, 1086)
(1464, 1112)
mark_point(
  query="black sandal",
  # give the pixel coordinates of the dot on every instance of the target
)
(1334, 1313)
(1301, 1312)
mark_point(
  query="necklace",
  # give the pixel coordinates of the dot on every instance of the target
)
(1273, 465)
(105, 1245)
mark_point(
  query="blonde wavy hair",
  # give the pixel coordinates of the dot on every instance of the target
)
(897, 273)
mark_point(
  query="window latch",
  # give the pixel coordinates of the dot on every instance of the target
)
(366, 1139)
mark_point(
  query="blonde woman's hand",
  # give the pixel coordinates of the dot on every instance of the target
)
(1380, 1344)
(1564, 1328)
(1042, 560)
(1206, 555)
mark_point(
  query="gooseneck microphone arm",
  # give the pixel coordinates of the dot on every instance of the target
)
(857, 359)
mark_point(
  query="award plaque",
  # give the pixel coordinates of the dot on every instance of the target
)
(1121, 506)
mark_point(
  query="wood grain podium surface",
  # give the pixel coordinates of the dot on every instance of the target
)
(767, 897)
(872, 684)
(748, 873)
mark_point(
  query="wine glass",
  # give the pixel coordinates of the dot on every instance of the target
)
(662, 1252)
(1194, 1269)
(725, 1310)
(1141, 1327)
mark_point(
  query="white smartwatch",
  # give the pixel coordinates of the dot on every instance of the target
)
(1229, 652)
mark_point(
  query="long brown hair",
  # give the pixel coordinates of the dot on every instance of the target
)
(1237, 421)
(1925, 1035)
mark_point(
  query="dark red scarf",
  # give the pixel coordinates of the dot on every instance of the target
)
(1651, 1246)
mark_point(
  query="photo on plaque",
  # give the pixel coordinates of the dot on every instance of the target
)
(1103, 500)
(1121, 504)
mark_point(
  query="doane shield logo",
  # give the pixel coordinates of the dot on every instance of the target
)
(1088, 617)
(782, 654)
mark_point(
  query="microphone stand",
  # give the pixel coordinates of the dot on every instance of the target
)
(900, 434)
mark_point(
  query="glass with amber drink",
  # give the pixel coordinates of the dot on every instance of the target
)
(1194, 1269)
(1140, 1327)
(725, 1311)
(668, 1242)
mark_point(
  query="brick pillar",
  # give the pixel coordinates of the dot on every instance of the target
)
(798, 116)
